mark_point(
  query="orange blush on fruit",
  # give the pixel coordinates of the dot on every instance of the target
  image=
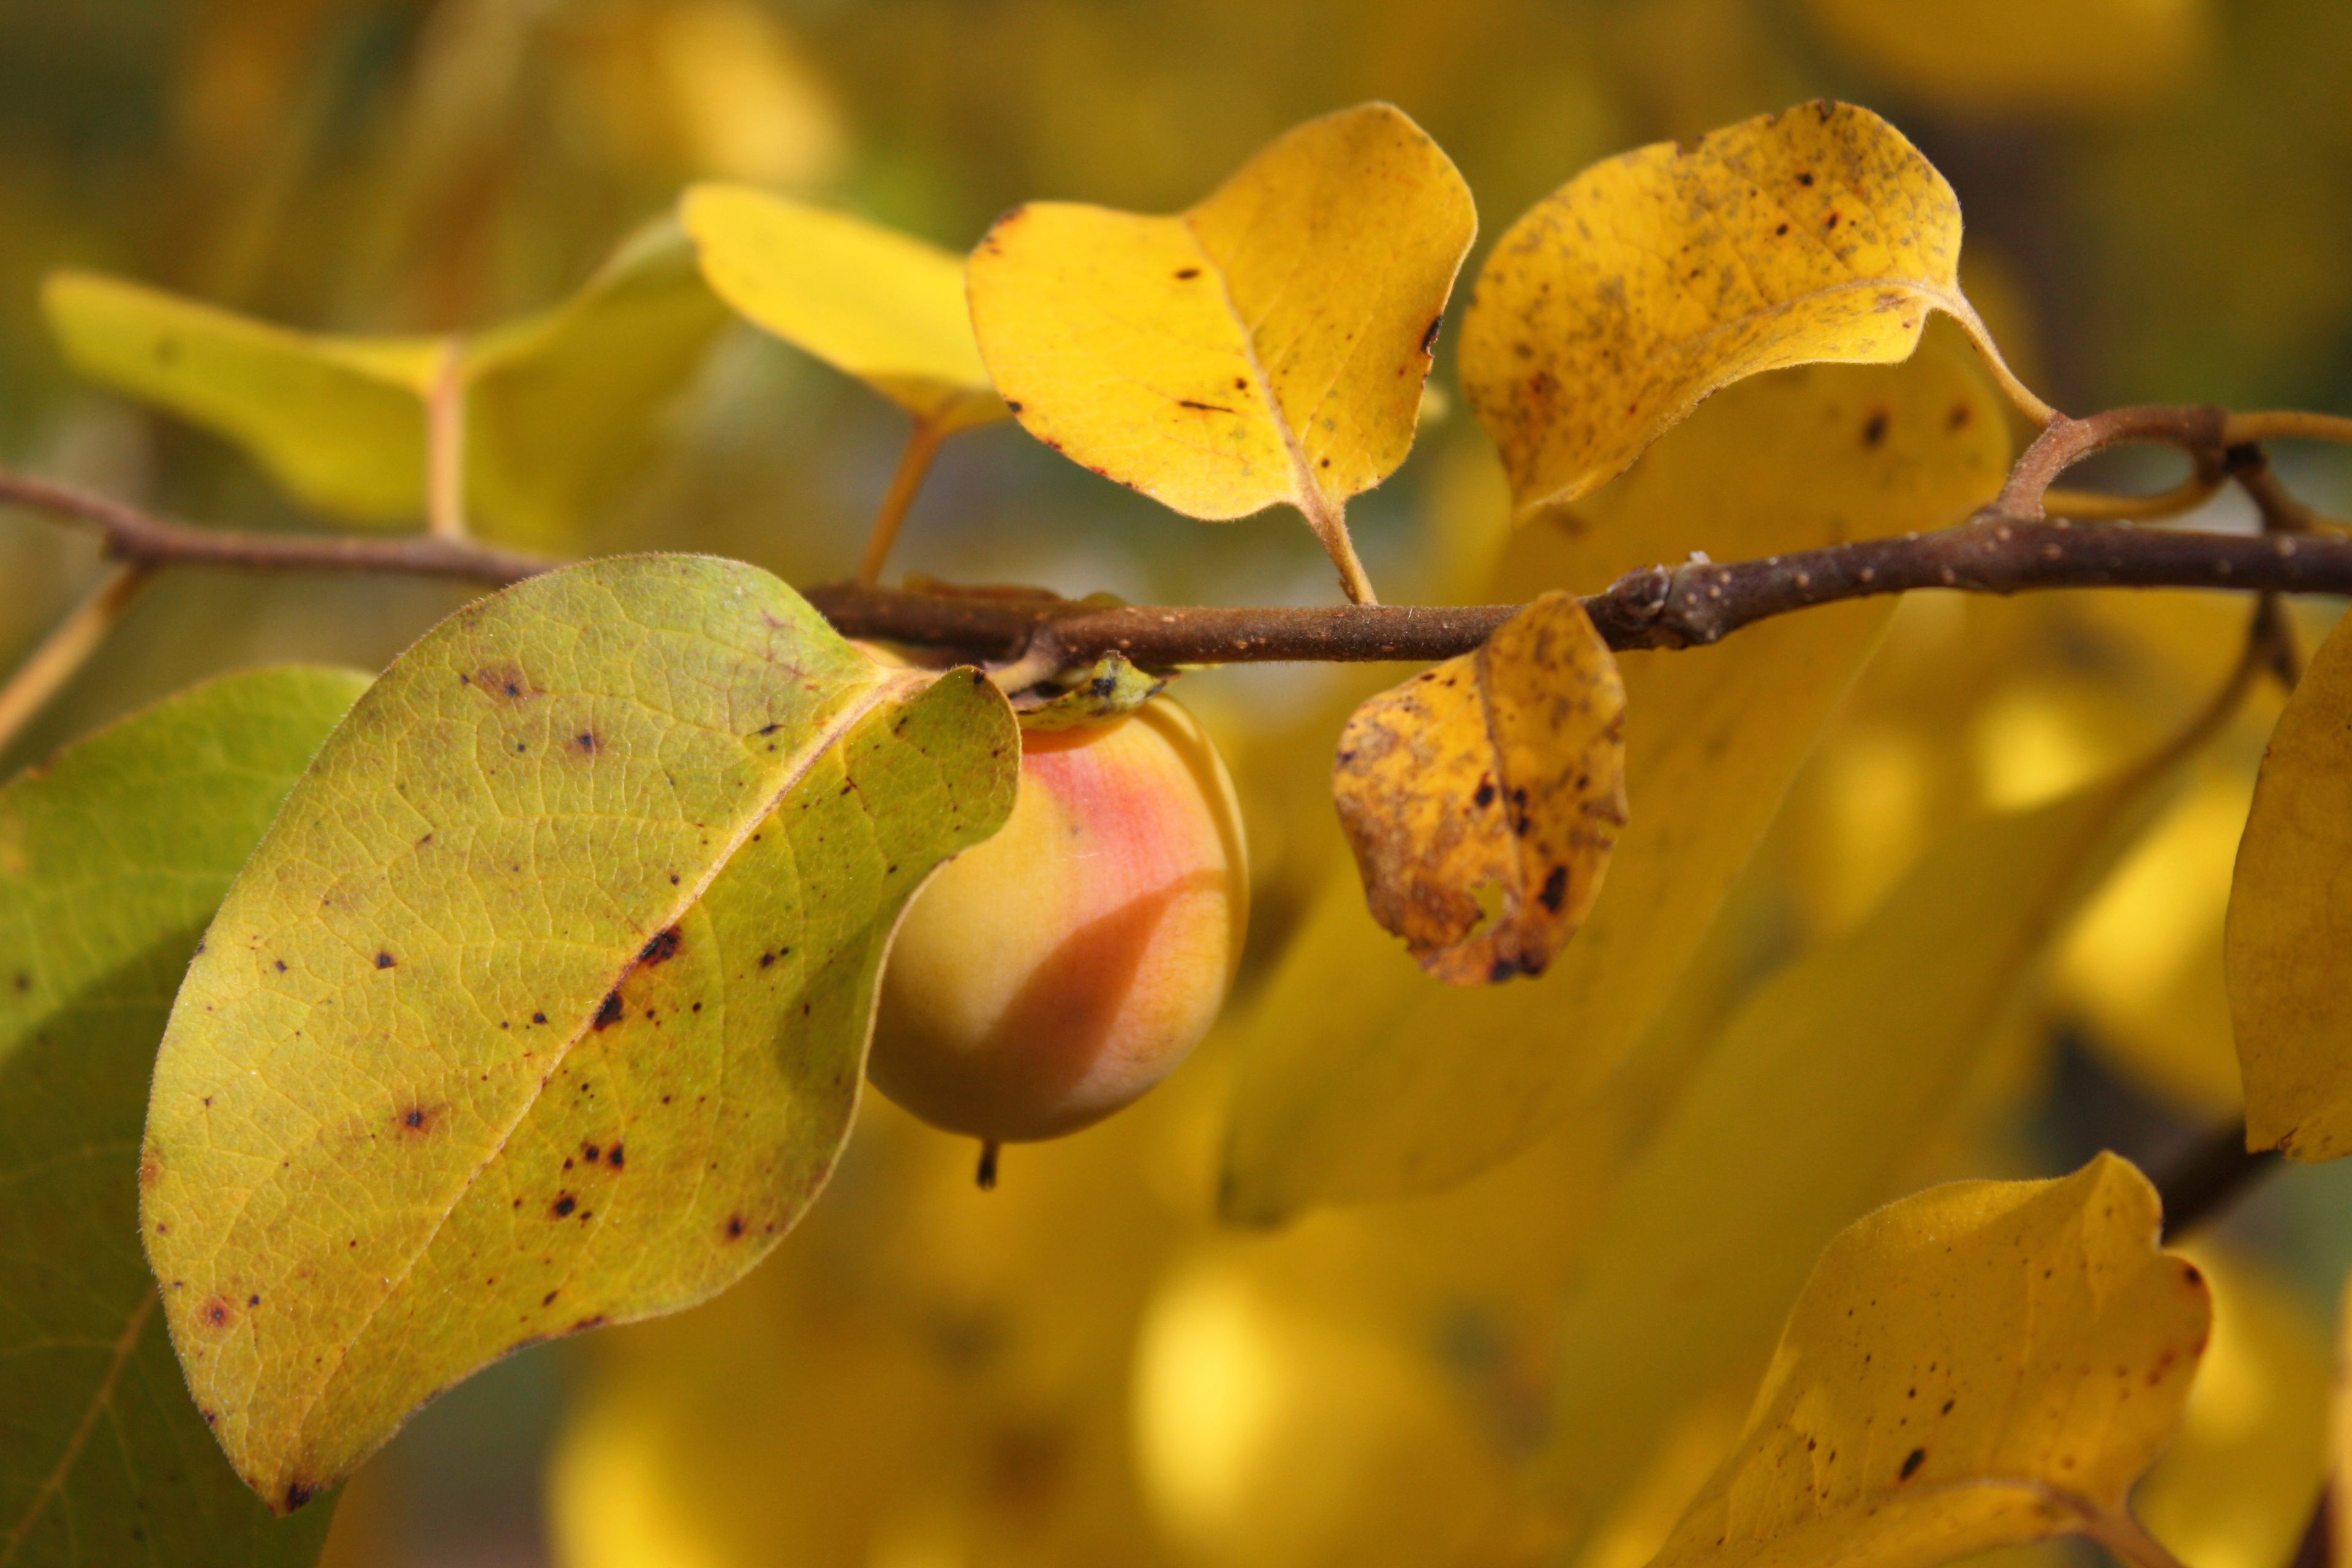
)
(1053, 974)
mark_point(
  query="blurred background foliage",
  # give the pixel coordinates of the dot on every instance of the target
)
(1080, 1368)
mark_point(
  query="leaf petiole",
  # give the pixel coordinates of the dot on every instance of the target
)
(65, 649)
(905, 483)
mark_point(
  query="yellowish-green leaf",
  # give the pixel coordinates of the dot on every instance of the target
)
(111, 859)
(545, 1002)
(2087, 55)
(1985, 1363)
(1822, 1085)
(1267, 345)
(873, 303)
(1357, 1079)
(1655, 277)
(559, 406)
(2289, 904)
(1483, 796)
(338, 421)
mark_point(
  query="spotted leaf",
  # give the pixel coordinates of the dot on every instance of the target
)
(545, 1002)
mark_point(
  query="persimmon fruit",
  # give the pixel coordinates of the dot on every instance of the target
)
(1051, 976)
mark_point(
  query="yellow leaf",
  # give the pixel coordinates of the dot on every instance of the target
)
(1484, 796)
(1357, 1079)
(339, 421)
(873, 303)
(1604, 315)
(1985, 1363)
(1817, 1093)
(545, 1001)
(1267, 345)
(2088, 55)
(2235, 1488)
(2289, 904)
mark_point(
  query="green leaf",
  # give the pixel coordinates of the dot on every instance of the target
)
(1357, 1079)
(1822, 1085)
(544, 1004)
(111, 861)
(559, 406)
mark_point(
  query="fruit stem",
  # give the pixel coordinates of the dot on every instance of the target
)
(986, 1174)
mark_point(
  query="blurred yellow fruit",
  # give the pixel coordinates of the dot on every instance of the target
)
(1271, 1433)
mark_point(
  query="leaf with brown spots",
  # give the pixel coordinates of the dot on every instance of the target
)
(1618, 302)
(1811, 1103)
(1982, 1365)
(1483, 796)
(1358, 1080)
(669, 943)
(111, 859)
(1267, 345)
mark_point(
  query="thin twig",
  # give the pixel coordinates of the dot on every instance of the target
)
(2283, 512)
(2097, 506)
(2203, 1181)
(143, 539)
(905, 483)
(2286, 425)
(2193, 429)
(66, 649)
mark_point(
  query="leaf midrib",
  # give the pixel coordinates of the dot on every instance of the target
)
(892, 683)
(1304, 493)
(53, 1485)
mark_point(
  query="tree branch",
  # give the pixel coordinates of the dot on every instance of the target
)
(141, 539)
(2209, 1176)
(1074, 632)
(2007, 549)
(1688, 606)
